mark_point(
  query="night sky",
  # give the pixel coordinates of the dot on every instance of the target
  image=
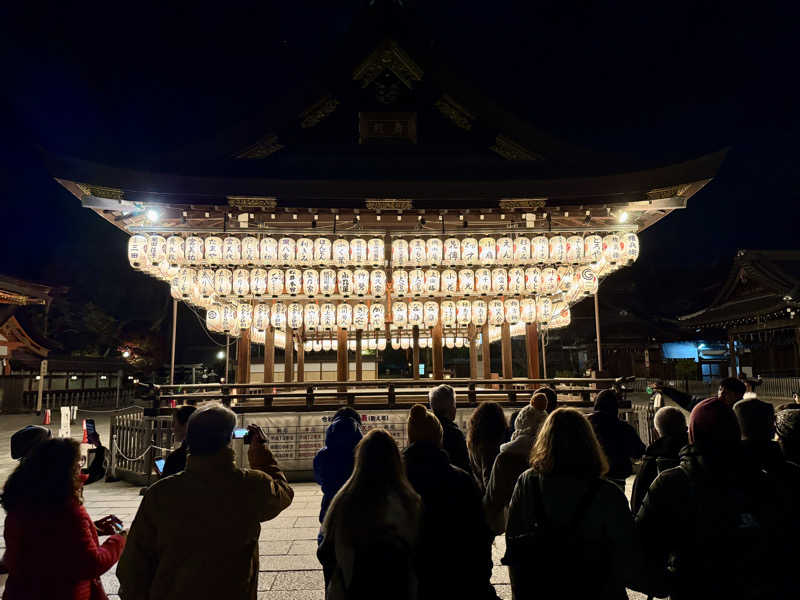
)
(656, 82)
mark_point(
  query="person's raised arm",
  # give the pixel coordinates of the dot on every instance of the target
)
(275, 493)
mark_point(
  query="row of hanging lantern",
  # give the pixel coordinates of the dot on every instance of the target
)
(152, 250)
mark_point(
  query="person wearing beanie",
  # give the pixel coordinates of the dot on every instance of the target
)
(715, 520)
(618, 439)
(26, 439)
(454, 556)
(512, 460)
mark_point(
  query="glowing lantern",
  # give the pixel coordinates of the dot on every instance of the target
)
(399, 252)
(294, 316)
(286, 250)
(522, 250)
(358, 251)
(611, 248)
(344, 280)
(415, 314)
(533, 280)
(193, 250)
(223, 282)
(256, 336)
(375, 251)
(156, 249)
(549, 283)
(304, 251)
(450, 341)
(592, 248)
(400, 314)
(214, 318)
(449, 280)
(278, 315)
(540, 249)
(275, 282)
(496, 312)
(261, 316)
(452, 250)
(479, 312)
(395, 343)
(268, 248)
(483, 281)
(293, 281)
(241, 283)
(423, 342)
(327, 345)
(166, 270)
(258, 281)
(416, 282)
(516, 280)
(416, 251)
(244, 316)
(574, 254)
(377, 316)
(400, 282)
(229, 318)
(189, 281)
(311, 316)
(175, 250)
(213, 250)
(308, 346)
(513, 311)
(544, 309)
(487, 251)
(381, 344)
(589, 282)
(629, 246)
(505, 250)
(566, 276)
(316, 345)
(310, 282)
(232, 250)
(561, 316)
(460, 341)
(361, 282)
(432, 281)
(528, 310)
(322, 251)
(351, 345)
(431, 313)
(327, 282)
(174, 288)
(344, 315)
(466, 281)
(448, 308)
(434, 251)
(360, 316)
(250, 252)
(574, 291)
(377, 282)
(463, 312)
(405, 343)
(558, 249)
(469, 251)
(500, 281)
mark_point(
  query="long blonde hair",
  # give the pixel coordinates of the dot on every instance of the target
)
(567, 445)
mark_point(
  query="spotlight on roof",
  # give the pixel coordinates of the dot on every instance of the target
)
(623, 216)
(153, 215)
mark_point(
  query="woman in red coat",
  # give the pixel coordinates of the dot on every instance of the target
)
(52, 549)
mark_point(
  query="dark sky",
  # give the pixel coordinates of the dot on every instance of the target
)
(662, 82)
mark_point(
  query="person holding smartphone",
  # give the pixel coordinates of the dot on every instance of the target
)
(176, 461)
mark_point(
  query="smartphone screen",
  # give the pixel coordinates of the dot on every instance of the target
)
(160, 464)
(90, 428)
(239, 433)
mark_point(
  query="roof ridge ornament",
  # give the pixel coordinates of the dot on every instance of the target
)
(262, 202)
(99, 191)
(264, 147)
(388, 56)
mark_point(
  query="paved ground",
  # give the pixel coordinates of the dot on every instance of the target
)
(289, 567)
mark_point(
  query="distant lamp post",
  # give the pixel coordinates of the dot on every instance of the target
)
(126, 354)
(220, 355)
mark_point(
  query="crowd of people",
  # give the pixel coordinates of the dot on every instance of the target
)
(712, 511)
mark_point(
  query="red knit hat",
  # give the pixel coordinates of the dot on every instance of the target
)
(713, 424)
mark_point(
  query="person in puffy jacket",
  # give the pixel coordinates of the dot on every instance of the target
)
(52, 547)
(619, 440)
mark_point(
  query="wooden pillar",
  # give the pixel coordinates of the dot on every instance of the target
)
(269, 354)
(437, 353)
(486, 351)
(288, 357)
(301, 359)
(732, 346)
(597, 333)
(342, 367)
(243, 357)
(359, 360)
(472, 333)
(532, 350)
(415, 352)
(505, 351)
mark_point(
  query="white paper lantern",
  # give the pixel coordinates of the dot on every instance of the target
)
(232, 250)
(448, 309)
(344, 315)
(483, 281)
(416, 251)
(423, 342)
(257, 337)
(499, 281)
(156, 250)
(310, 282)
(358, 251)
(516, 280)
(399, 253)
(244, 315)
(589, 281)
(213, 250)
(522, 250)
(405, 343)
(278, 315)
(258, 281)
(452, 250)
(327, 316)
(344, 282)
(286, 251)
(304, 251)
(533, 280)
(205, 282)
(540, 249)
(505, 250)
(316, 345)
(230, 318)
(479, 312)
(323, 251)
(466, 281)
(327, 345)
(574, 253)
(223, 282)
(351, 345)
(377, 316)
(261, 316)
(558, 249)
(381, 343)
(434, 251)
(611, 248)
(592, 248)
(294, 316)
(416, 282)
(561, 316)
(528, 310)
(400, 314)
(574, 291)
(166, 271)
(459, 341)
(544, 309)
(377, 283)
(566, 276)
(193, 250)
(361, 282)
(395, 343)
(241, 283)
(449, 280)
(250, 251)
(549, 283)
(463, 312)
(327, 282)
(293, 281)
(174, 287)
(400, 283)
(432, 281)
(487, 250)
(175, 250)
(311, 316)
(470, 250)
(375, 251)
(415, 314)
(268, 249)
(513, 311)
(629, 246)
(431, 313)
(360, 316)
(450, 341)
(308, 346)
(496, 312)
(214, 318)
(275, 282)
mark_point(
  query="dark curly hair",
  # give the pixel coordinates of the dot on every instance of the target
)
(487, 426)
(49, 477)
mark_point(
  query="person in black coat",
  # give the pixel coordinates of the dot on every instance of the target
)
(176, 461)
(442, 399)
(454, 555)
(619, 440)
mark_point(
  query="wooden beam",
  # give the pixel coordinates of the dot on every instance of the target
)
(269, 355)
(415, 352)
(532, 350)
(472, 332)
(437, 354)
(359, 360)
(243, 357)
(505, 351)
(486, 351)
(288, 357)
(301, 358)
(342, 367)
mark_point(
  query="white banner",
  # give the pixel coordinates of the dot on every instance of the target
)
(64, 429)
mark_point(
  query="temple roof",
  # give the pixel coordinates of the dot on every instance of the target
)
(21, 293)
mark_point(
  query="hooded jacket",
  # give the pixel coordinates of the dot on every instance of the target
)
(333, 464)
(661, 455)
(513, 460)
